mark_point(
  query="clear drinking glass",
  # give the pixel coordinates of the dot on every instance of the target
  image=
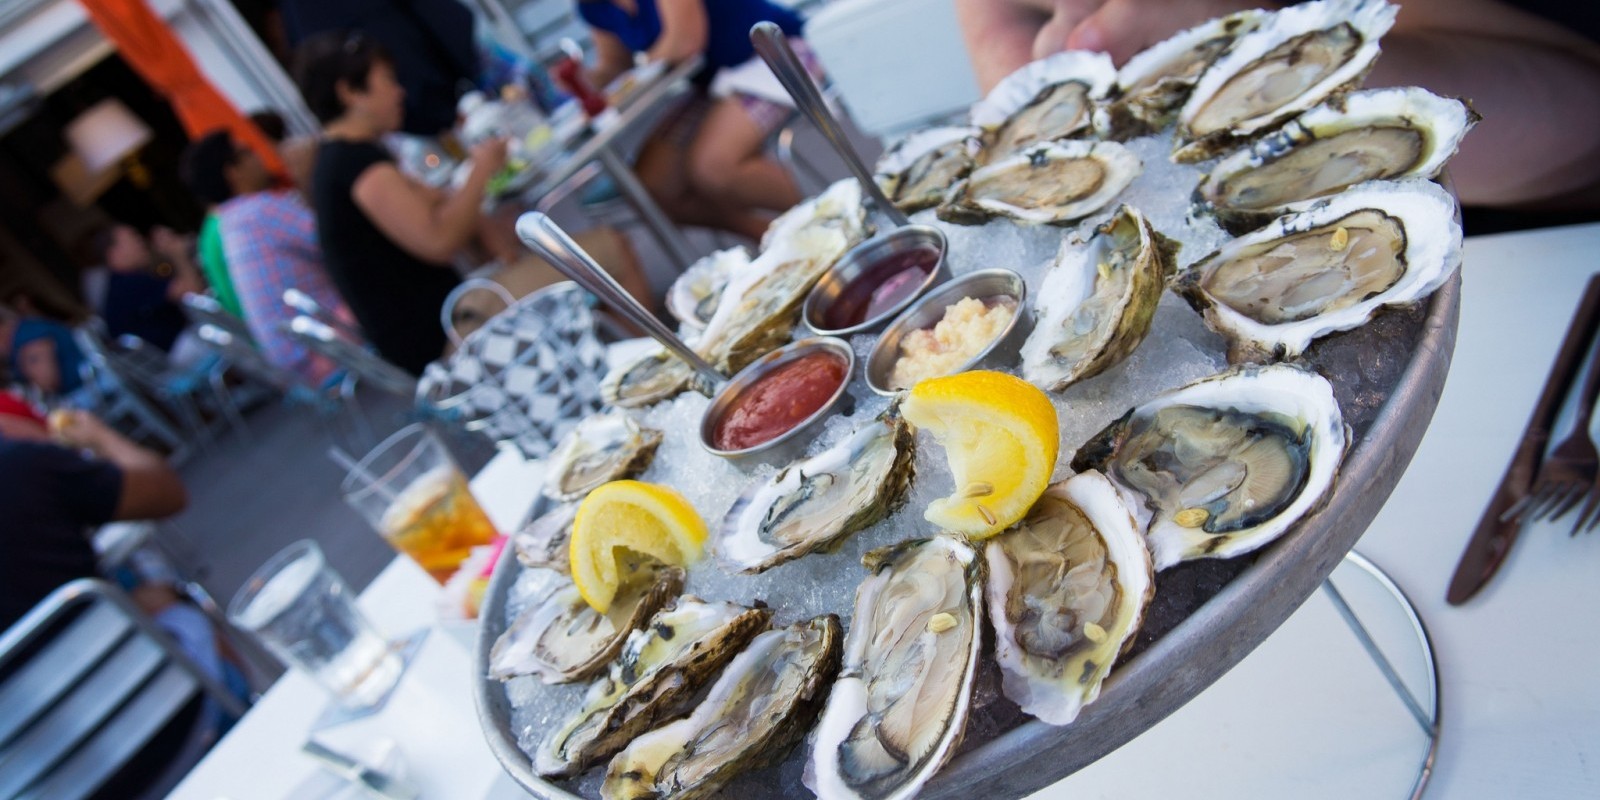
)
(411, 490)
(305, 614)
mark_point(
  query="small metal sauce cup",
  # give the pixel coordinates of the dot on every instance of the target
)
(791, 444)
(853, 266)
(984, 285)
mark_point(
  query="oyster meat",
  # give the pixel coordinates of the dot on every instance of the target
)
(1326, 268)
(1068, 586)
(1297, 58)
(1156, 81)
(563, 640)
(1046, 100)
(603, 447)
(1096, 302)
(694, 295)
(1378, 134)
(649, 379)
(1057, 182)
(815, 503)
(1224, 465)
(900, 704)
(765, 701)
(543, 542)
(654, 680)
(918, 171)
(839, 208)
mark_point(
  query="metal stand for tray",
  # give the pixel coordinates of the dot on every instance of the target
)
(1427, 717)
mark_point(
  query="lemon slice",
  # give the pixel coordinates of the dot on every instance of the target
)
(1000, 438)
(622, 521)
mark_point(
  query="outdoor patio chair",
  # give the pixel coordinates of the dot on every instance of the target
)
(334, 400)
(113, 397)
(189, 393)
(303, 304)
(89, 683)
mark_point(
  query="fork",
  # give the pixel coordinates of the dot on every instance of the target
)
(1569, 474)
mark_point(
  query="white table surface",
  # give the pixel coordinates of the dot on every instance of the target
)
(1306, 715)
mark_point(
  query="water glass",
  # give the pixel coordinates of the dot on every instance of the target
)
(412, 492)
(304, 613)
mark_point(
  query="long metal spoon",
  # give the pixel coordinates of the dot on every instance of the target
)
(774, 48)
(542, 235)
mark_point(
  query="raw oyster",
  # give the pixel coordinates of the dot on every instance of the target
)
(652, 681)
(603, 447)
(1224, 465)
(839, 208)
(1049, 99)
(650, 379)
(1155, 82)
(1371, 135)
(1299, 57)
(1327, 268)
(900, 704)
(918, 171)
(1057, 182)
(1067, 591)
(815, 503)
(765, 701)
(694, 295)
(1096, 302)
(543, 542)
(563, 640)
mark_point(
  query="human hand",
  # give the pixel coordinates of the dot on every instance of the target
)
(489, 155)
(77, 429)
(1123, 28)
(169, 243)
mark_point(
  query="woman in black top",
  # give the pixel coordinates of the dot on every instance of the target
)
(387, 239)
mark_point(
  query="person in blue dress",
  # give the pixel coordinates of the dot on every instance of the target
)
(705, 164)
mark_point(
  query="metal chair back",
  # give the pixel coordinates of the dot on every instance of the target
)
(324, 340)
(203, 309)
(87, 681)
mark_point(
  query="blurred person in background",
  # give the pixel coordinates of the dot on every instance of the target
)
(40, 352)
(1531, 68)
(387, 239)
(269, 238)
(146, 282)
(706, 164)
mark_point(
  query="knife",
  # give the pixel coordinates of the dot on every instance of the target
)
(1493, 538)
(375, 782)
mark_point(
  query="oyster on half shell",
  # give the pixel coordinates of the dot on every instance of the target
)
(1043, 101)
(1156, 81)
(1096, 302)
(651, 378)
(1379, 134)
(1299, 57)
(543, 543)
(900, 704)
(1068, 586)
(693, 297)
(918, 171)
(1224, 465)
(603, 447)
(765, 701)
(562, 639)
(1326, 268)
(816, 502)
(1054, 183)
(653, 680)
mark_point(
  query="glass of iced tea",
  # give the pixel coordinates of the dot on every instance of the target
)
(411, 490)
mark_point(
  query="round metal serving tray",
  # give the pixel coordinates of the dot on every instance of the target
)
(1207, 615)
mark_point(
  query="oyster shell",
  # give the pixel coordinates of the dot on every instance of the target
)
(1096, 302)
(694, 295)
(918, 171)
(1056, 182)
(1327, 268)
(603, 447)
(1224, 465)
(1370, 135)
(1046, 100)
(900, 704)
(653, 680)
(1298, 57)
(816, 502)
(563, 640)
(839, 208)
(543, 542)
(1156, 81)
(765, 701)
(651, 378)
(1067, 589)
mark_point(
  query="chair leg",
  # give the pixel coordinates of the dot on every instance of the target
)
(226, 405)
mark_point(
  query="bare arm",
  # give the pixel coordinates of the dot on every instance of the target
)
(612, 58)
(186, 277)
(150, 488)
(417, 219)
(683, 31)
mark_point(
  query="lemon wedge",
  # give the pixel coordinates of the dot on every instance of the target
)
(623, 521)
(1000, 438)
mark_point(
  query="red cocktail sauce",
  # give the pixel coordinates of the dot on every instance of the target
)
(779, 400)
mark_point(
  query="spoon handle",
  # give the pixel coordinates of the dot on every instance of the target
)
(542, 235)
(774, 48)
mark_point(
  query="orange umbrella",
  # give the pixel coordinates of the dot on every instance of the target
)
(154, 51)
